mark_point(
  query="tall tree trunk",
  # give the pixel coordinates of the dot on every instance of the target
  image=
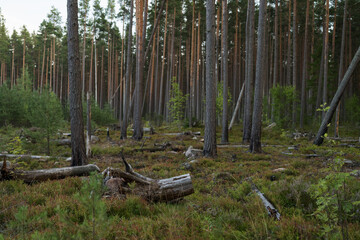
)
(102, 84)
(198, 95)
(23, 72)
(192, 69)
(210, 120)
(334, 32)
(83, 58)
(304, 73)
(161, 98)
(95, 72)
(295, 65)
(138, 132)
(341, 66)
(276, 52)
(91, 66)
(76, 120)
(288, 65)
(255, 142)
(224, 58)
(127, 76)
(326, 54)
(335, 101)
(249, 73)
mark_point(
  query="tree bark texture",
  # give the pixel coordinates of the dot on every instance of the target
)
(76, 120)
(210, 119)
(255, 141)
(224, 58)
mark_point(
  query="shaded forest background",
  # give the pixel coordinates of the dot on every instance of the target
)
(38, 60)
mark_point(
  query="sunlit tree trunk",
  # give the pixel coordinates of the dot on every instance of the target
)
(224, 60)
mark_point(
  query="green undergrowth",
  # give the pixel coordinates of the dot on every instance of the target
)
(315, 189)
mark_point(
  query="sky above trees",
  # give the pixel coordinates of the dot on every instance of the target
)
(32, 13)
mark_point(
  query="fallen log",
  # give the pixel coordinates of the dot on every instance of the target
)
(272, 211)
(162, 190)
(48, 174)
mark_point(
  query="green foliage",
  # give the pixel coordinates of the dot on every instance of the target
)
(352, 108)
(101, 117)
(283, 98)
(14, 104)
(176, 103)
(45, 112)
(334, 205)
(219, 99)
(93, 223)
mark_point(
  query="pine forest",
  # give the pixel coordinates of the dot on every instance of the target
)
(182, 119)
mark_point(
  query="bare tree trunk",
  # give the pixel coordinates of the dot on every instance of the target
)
(198, 95)
(210, 120)
(288, 65)
(76, 120)
(161, 98)
(23, 74)
(127, 76)
(224, 60)
(304, 73)
(255, 142)
(276, 52)
(138, 133)
(341, 66)
(335, 101)
(102, 79)
(83, 58)
(295, 65)
(192, 70)
(249, 73)
(326, 55)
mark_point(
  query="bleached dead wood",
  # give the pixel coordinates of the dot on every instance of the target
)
(272, 211)
(163, 190)
(48, 174)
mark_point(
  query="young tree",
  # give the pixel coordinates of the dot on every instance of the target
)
(224, 58)
(78, 152)
(255, 141)
(210, 119)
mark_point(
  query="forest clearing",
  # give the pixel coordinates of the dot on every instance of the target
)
(199, 119)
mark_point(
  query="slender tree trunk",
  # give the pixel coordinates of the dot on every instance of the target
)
(249, 74)
(334, 32)
(304, 73)
(23, 73)
(198, 95)
(151, 97)
(127, 76)
(76, 120)
(335, 101)
(210, 120)
(295, 65)
(288, 65)
(102, 79)
(91, 66)
(224, 58)
(192, 69)
(326, 54)
(341, 66)
(83, 58)
(95, 72)
(255, 142)
(276, 52)
(12, 81)
(161, 98)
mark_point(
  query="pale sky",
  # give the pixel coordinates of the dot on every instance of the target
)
(32, 12)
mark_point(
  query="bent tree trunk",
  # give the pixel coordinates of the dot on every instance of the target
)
(163, 190)
(335, 101)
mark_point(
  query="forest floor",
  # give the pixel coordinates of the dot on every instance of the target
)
(315, 189)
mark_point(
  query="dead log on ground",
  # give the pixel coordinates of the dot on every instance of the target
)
(47, 174)
(272, 211)
(162, 190)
